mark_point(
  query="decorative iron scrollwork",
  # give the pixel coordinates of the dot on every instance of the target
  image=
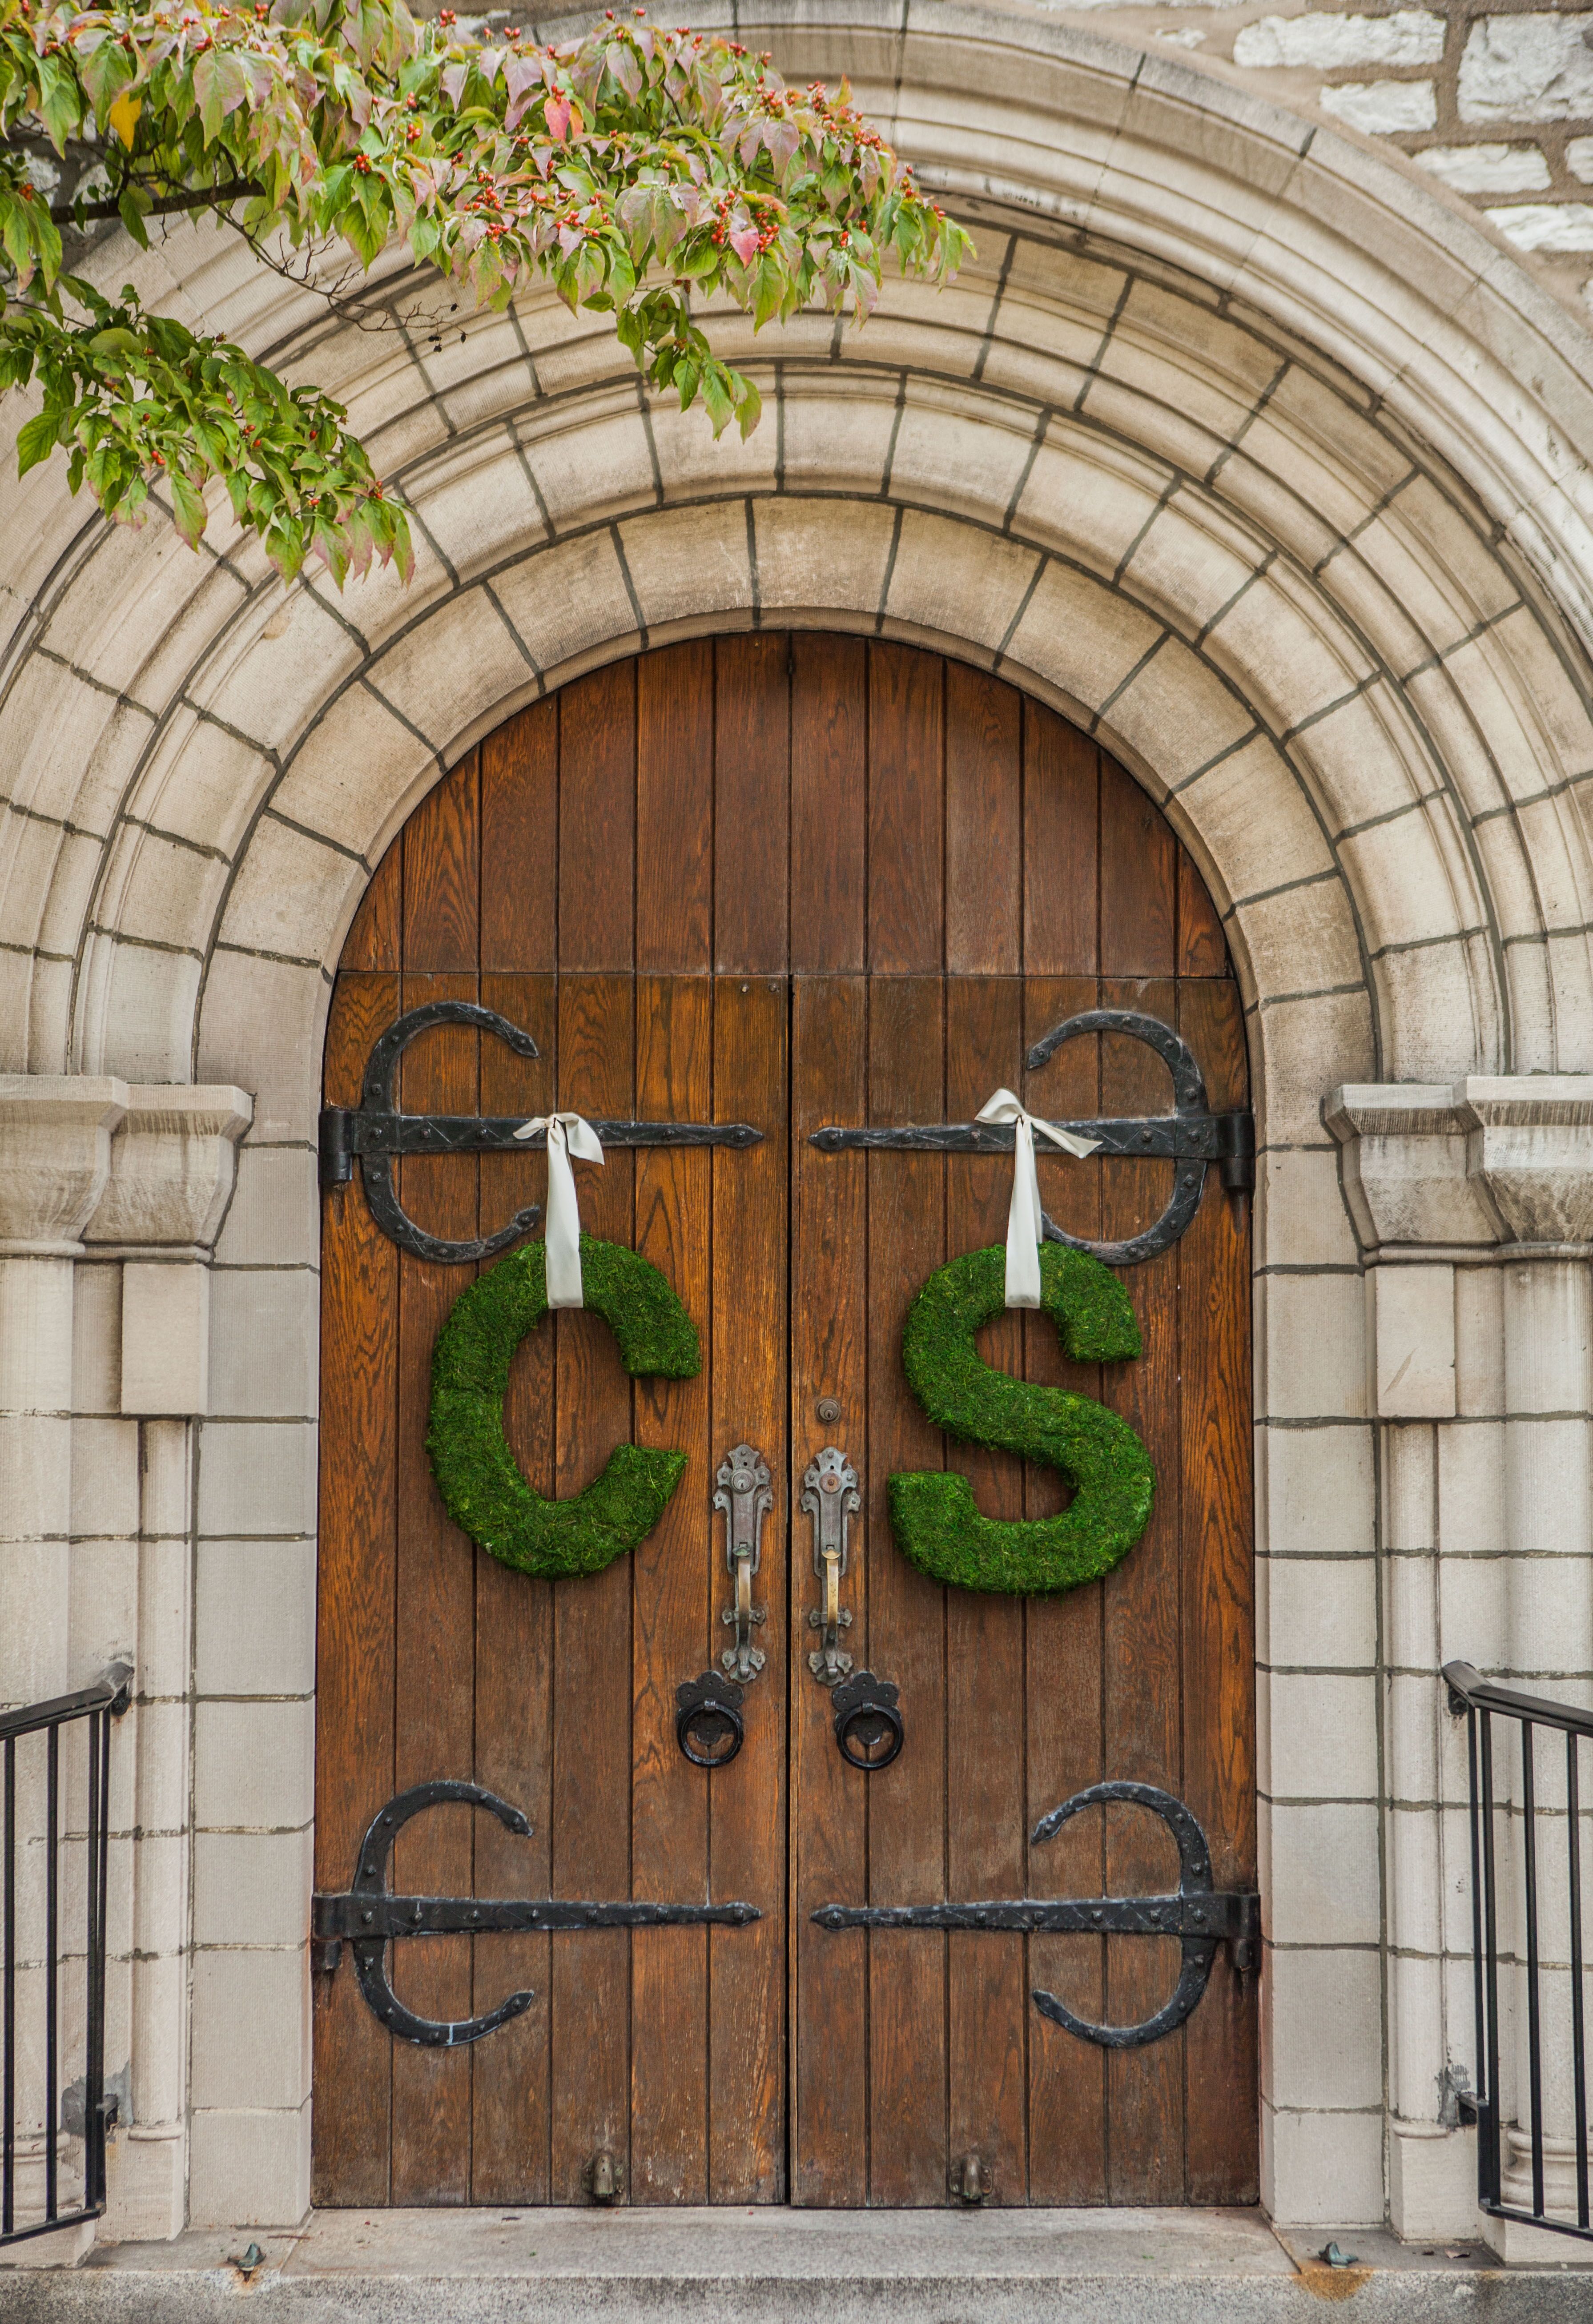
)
(371, 1918)
(376, 1133)
(1202, 1917)
(1191, 1136)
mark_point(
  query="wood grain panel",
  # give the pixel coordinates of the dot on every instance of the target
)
(984, 829)
(592, 1636)
(1141, 1634)
(510, 2122)
(829, 1827)
(906, 1637)
(434, 1630)
(751, 802)
(907, 863)
(1067, 2078)
(829, 801)
(351, 2152)
(988, 2002)
(1219, 1612)
(672, 1579)
(747, 1967)
(598, 819)
(675, 808)
(520, 841)
(1061, 847)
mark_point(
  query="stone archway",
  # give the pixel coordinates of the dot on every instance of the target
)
(1239, 448)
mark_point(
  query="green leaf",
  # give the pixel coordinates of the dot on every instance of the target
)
(130, 208)
(189, 508)
(36, 440)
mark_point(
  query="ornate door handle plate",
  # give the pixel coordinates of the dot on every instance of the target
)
(744, 1494)
(372, 1918)
(830, 1498)
(1200, 1916)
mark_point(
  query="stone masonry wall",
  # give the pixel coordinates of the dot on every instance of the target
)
(1495, 98)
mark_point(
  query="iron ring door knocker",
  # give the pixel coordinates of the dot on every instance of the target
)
(372, 1918)
(708, 1723)
(1202, 1917)
(869, 1730)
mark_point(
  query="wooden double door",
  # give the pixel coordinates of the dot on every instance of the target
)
(790, 881)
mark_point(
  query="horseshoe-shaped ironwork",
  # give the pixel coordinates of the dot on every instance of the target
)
(372, 1918)
(1191, 1136)
(377, 1132)
(1202, 1917)
(1188, 1915)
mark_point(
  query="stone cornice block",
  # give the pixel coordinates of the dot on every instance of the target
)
(55, 1157)
(1489, 1162)
(172, 1167)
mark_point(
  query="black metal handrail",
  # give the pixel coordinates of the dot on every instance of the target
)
(1482, 1703)
(106, 1699)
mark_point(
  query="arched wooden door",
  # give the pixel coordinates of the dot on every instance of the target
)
(794, 881)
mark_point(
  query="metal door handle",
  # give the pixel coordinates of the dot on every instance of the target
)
(745, 1497)
(830, 1498)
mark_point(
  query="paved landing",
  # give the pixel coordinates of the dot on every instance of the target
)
(770, 2266)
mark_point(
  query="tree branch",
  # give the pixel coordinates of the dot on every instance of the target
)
(236, 190)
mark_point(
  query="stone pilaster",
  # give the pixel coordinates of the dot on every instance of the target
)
(1474, 1207)
(110, 1197)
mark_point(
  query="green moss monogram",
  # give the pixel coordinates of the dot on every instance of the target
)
(482, 1489)
(936, 1522)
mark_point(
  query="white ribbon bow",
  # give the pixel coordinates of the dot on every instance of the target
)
(1023, 1216)
(567, 1134)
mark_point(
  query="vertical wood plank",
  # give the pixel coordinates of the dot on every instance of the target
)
(906, 1637)
(351, 2144)
(373, 940)
(987, 2000)
(598, 819)
(829, 801)
(1219, 1611)
(592, 1642)
(675, 808)
(1067, 2078)
(751, 802)
(1061, 840)
(1202, 948)
(1143, 1643)
(442, 876)
(1138, 880)
(435, 1612)
(907, 884)
(520, 841)
(747, 1806)
(984, 828)
(435, 1631)
(509, 2149)
(829, 1807)
(672, 1574)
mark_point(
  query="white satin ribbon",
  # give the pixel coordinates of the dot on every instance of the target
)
(1023, 1216)
(567, 1134)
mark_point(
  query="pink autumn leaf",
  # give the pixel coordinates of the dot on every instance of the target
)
(743, 241)
(558, 116)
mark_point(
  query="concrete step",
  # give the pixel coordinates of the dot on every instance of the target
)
(777, 2266)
